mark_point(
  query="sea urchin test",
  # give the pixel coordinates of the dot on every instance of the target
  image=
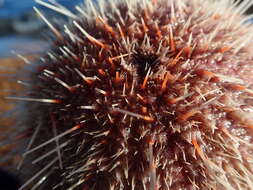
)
(143, 95)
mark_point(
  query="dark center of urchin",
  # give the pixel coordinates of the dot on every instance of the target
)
(144, 61)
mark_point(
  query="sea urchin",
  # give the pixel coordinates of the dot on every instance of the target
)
(144, 95)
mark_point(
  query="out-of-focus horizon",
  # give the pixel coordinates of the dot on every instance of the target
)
(20, 28)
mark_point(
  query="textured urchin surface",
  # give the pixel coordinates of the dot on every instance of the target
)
(141, 94)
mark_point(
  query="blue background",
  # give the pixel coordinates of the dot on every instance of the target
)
(12, 8)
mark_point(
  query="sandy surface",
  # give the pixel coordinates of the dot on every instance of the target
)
(9, 68)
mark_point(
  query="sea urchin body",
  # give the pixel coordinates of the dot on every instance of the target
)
(145, 95)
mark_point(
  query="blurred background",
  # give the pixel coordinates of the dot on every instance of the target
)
(20, 25)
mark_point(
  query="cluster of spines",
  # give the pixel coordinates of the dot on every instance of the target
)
(95, 80)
